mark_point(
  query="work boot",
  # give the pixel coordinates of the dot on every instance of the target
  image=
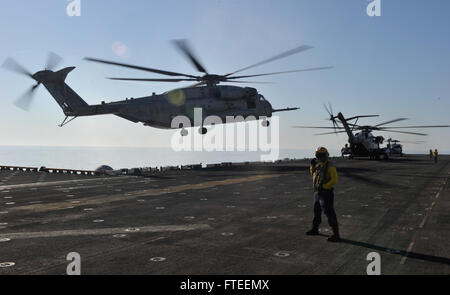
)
(335, 237)
(313, 232)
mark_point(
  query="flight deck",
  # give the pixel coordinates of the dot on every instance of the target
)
(239, 219)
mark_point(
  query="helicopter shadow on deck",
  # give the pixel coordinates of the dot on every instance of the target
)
(355, 174)
(413, 255)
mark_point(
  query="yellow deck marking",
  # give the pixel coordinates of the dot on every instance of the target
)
(104, 231)
(138, 194)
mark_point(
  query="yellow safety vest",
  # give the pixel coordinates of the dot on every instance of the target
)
(324, 175)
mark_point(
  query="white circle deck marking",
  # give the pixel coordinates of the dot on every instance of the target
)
(282, 254)
(3, 212)
(3, 223)
(157, 259)
(4, 240)
(231, 206)
(7, 197)
(10, 203)
(141, 200)
(119, 235)
(88, 209)
(189, 217)
(7, 264)
(227, 234)
(75, 202)
(69, 196)
(271, 217)
(204, 199)
(98, 220)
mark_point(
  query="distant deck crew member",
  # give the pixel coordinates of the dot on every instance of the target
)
(431, 154)
(435, 155)
(324, 176)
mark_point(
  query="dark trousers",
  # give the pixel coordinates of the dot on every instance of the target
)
(324, 201)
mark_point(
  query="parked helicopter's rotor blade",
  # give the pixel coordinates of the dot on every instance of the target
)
(391, 121)
(162, 72)
(184, 47)
(334, 132)
(361, 116)
(429, 126)
(254, 82)
(276, 57)
(24, 101)
(151, 80)
(331, 108)
(318, 127)
(13, 66)
(277, 73)
(197, 84)
(405, 132)
(53, 60)
(326, 109)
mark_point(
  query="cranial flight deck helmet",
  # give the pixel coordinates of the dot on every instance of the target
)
(322, 152)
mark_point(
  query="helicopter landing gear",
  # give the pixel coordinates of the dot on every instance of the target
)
(183, 132)
(265, 123)
(202, 130)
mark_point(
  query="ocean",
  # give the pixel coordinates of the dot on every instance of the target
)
(90, 158)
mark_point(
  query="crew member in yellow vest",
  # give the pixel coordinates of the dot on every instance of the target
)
(325, 177)
(435, 154)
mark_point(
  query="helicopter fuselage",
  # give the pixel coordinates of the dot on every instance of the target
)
(159, 110)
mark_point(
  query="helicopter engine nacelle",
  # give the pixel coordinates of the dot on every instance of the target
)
(233, 92)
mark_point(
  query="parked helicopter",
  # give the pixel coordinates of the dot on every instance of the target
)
(395, 148)
(363, 143)
(159, 110)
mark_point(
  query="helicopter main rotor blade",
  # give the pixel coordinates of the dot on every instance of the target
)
(150, 80)
(184, 47)
(429, 126)
(162, 72)
(391, 121)
(405, 132)
(276, 57)
(361, 116)
(326, 133)
(24, 101)
(277, 73)
(53, 60)
(254, 82)
(318, 127)
(13, 66)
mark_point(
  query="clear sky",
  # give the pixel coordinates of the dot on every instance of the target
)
(394, 65)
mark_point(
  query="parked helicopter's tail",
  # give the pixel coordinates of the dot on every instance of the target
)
(70, 102)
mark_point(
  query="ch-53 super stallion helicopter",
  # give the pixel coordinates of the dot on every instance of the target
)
(363, 143)
(395, 147)
(159, 110)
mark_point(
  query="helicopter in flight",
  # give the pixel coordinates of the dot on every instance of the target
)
(361, 141)
(158, 111)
